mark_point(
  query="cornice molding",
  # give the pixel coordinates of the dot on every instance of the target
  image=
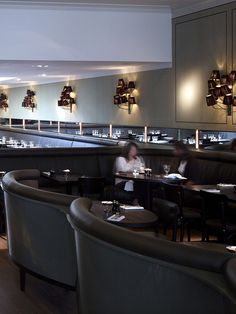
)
(63, 4)
(201, 5)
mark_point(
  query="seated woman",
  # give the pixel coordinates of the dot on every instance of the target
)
(188, 165)
(128, 162)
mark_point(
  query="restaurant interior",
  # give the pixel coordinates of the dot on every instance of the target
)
(118, 157)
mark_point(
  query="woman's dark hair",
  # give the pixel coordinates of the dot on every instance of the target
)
(127, 148)
(233, 145)
(181, 146)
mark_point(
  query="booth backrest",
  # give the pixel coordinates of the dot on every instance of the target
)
(40, 238)
(121, 271)
(214, 167)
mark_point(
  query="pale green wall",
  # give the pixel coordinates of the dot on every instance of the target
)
(95, 101)
(202, 42)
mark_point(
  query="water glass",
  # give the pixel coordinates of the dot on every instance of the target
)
(166, 169)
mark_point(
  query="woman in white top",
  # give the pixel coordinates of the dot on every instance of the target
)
(128, 162)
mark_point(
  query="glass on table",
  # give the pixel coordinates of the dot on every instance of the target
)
(166, 168)
(135, 171)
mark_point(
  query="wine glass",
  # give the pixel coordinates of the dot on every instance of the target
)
(166, 168)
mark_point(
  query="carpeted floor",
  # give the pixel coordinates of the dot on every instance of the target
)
(39, 297)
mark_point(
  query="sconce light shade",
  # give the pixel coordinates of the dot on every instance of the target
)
(117, 100)
(121, 83)
(67, 99)
(131, 85)
(210, 99)
(232, 75)
(225, 79)
(29, 101)
(211, 84)
(215, 74)
(124, 99)
(224, 90)
(217, 92)
(228, 100)
(132, 100)
(3, 101)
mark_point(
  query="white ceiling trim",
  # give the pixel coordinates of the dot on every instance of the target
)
(57, 5)
(201, 5)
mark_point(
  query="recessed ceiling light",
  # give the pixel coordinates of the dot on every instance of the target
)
(39, 66)
(43, 74)
(46, 66)
(18, 79)
(6, 78)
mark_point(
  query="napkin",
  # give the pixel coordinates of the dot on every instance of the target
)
(175, 176)
(130, 208)
(116, 218)
(211, 190)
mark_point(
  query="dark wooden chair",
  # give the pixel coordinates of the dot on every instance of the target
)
(185, 216)
(92, 187)
(216, 218)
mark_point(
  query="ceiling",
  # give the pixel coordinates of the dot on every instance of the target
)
(21, 73)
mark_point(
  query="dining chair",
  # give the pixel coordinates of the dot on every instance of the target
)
(91, 186)
(185, 216)
(215, 217)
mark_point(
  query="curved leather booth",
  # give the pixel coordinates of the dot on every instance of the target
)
(40, 238)
(121, 271)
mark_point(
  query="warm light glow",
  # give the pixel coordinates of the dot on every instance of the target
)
(72, 94)
(189, 92)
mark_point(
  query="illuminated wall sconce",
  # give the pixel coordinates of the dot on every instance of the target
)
(124, 97)
(67, 99)
(29, 100)
(3, 101)
(220, 91)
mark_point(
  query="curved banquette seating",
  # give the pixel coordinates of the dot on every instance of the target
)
(40, 238)
(214, 166)
(121, 271)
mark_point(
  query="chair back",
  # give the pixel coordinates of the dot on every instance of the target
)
(90, 186)
(155, 274)
(40, 238)
(215, 205)
(174, 193)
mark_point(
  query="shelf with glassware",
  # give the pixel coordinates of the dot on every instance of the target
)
(142, 134)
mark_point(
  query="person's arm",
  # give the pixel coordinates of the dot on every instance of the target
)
(120, 165)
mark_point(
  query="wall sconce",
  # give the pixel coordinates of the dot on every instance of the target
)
(220, 91)
(124, 98)
(67, 99)
(3, 101)
(29, 100)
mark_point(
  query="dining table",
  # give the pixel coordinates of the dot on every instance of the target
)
(149, 182)
(229, 192)
(133, 218)
(67, 179)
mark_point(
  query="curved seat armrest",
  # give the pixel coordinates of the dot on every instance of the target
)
(230, 272)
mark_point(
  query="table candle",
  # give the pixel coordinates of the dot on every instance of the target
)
(197, 139)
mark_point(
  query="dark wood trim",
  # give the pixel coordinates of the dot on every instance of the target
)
(23, 271)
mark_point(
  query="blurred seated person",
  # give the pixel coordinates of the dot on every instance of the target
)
(188, 165)
(127, 163)
(233, 145)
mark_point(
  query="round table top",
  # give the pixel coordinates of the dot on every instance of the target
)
(133, 219)
(140, 177)
(153, 178)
